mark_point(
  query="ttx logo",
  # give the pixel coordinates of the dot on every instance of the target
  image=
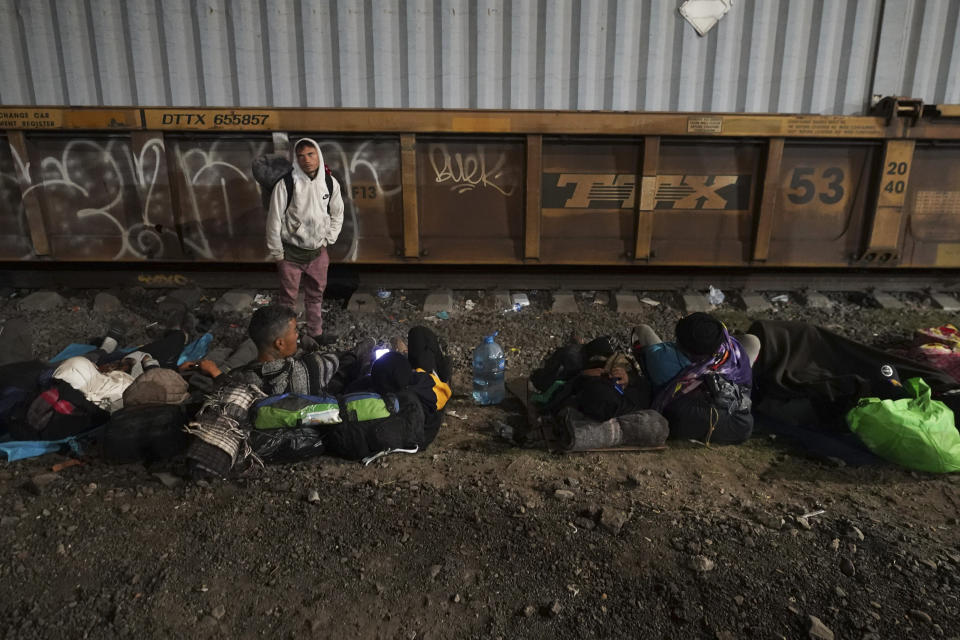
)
(618, 191)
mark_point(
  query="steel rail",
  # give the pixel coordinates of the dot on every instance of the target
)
(344, 277)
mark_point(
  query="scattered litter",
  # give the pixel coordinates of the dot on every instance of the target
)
(261, 300)
(469, 305)
(520, 300)
(57, 468)
(313, 496)
(818, 512)
(650, 301)
(456, 415)
(161, 299)
(168, 479)
(383, 293)
(443, 315)
(600, 301)
(366, 461)
(715, 296)
(503, 430)
(780, 298)
(152, 324)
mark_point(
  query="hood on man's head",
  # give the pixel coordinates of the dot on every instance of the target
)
(296, 165)
(390, 373)
(699, 334)
(596, 352)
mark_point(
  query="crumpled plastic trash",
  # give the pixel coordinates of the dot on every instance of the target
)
(443, 315)
(502, 430)
(383, 293)
(715, 296)
(650, 301)
(469, 305)
(261, 300)
(783, 297)
(518, 302)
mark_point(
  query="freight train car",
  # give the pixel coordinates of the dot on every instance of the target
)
(444, 187)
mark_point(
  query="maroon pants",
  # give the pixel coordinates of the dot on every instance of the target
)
(314, 276)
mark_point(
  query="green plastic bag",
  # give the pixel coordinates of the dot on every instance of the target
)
(917, 433)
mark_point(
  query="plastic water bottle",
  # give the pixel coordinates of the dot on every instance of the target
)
(488, 370)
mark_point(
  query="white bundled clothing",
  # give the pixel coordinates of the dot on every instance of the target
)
(102, 389)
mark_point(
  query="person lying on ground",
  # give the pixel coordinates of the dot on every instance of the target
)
(281, 367)
(593, 378)
(424, 371)
(102, 383)
(701, 383)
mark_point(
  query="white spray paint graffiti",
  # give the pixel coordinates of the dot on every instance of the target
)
(100, 185)
(363, 159)
(91, 179)
(10, 201)
(210, 170)
(467, 171)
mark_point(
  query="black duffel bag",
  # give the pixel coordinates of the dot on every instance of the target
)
(717, 411)
(144, 433)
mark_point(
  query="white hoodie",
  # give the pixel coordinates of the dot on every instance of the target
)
(313, 219)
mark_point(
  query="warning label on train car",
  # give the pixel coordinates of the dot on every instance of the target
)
(23, 118)
(837, 127)
(618, 191)
(930, 202)
(210, 119)
(705, 124)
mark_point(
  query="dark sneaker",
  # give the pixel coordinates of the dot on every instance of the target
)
(118, 333)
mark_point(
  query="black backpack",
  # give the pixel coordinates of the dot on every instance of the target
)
(717, 411)
(57, 412)
(148, 432)
(271, 168)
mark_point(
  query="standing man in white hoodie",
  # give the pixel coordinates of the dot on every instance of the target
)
(300, 226)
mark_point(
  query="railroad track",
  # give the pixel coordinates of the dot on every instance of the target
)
(373, 277)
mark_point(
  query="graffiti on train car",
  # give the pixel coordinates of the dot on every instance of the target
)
(618, 191)
(371, 173)
(105, 198)
(220, 212)
(100, 199)
(467, 171)
(14, 229)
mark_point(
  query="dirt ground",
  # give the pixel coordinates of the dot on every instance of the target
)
(475, 538)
